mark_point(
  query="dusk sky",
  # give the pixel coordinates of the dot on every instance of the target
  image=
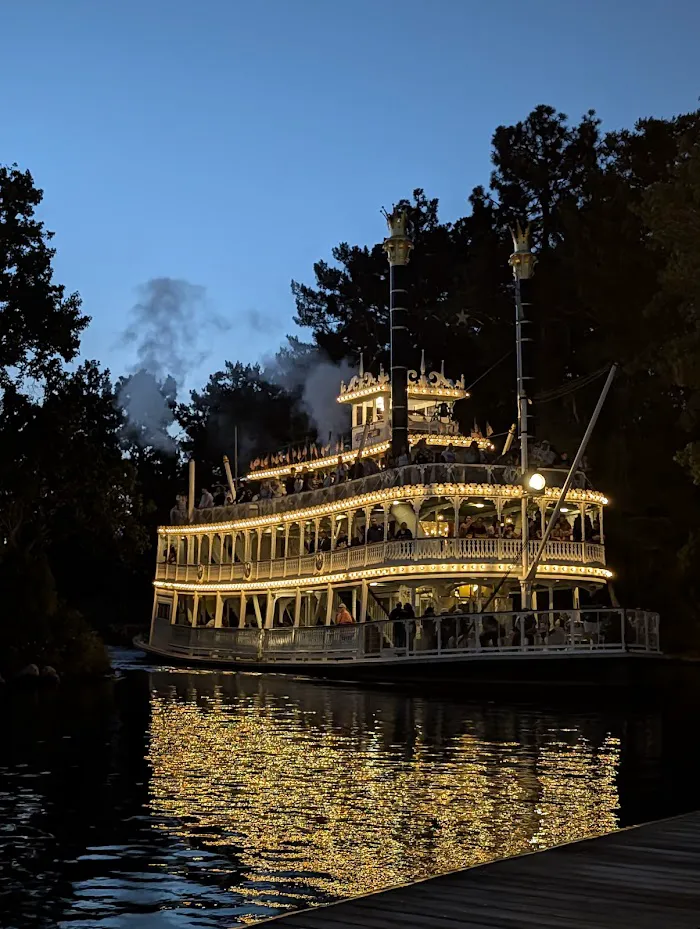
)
(232, 144)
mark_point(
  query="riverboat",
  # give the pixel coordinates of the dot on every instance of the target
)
(427, 557)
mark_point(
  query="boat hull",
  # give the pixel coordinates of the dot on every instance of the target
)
(559, 670)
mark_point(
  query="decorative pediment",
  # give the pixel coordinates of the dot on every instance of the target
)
(436, 380)
(365, 382)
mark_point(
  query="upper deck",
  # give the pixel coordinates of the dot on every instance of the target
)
(492, 481)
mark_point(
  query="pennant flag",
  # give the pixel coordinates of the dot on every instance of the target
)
(489, 430)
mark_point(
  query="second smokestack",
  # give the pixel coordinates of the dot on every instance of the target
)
(398, 247)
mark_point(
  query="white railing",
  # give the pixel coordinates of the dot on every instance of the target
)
(395, 477)
(504, 551)
(445, 636)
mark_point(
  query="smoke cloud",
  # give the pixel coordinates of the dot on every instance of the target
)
(319, 391)
(167, 330)
(304, 369)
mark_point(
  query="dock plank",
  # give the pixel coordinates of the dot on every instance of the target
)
(646, 877)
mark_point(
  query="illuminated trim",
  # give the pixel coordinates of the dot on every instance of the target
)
(379, 448)
(491, 491)
(376, 390)
(404, 571)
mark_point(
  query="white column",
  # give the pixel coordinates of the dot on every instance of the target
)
(269, 609)
(195, 610)
(173, 614)
(456, 502)
(329, 605)
(297, 607)
(602, 537)
(246, 545)
(363, 603)
(218, 613)
(353, 605)
(241, 611)
(258, 613)
(368, 510)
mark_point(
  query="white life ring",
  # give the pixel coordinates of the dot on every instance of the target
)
(200, 572)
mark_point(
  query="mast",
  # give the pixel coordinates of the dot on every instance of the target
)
(522, 261)
(398, 247)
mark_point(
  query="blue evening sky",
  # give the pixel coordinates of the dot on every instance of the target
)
(232, 143)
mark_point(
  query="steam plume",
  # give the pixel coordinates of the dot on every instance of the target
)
(166, 329)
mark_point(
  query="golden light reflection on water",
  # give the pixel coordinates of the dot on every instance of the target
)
(322, 791)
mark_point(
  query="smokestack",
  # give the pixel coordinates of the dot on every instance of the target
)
(522, 261)
(190, 497)
(398, 249)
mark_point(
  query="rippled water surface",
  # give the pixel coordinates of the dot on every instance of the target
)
(182, 800)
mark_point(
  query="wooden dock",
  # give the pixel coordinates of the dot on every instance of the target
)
(645, 877)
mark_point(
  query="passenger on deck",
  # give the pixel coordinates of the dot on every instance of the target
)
(421, 453)
(448, 455)
(465, 528)
(341, 471)
(343, 617)
(206, 500)
(324, 541)
(178, 512)
(375, 533)
(341, 540)
(265, 491)
(172, 555)
(306, 479)
(403, 533)
(588, 528)
(404, 459)
(357, 471)
(370, 467)
(472, 455)
(291, 482)
(277, 488)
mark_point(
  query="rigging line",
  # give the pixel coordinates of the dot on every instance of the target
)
(563, 390)
(489, 370)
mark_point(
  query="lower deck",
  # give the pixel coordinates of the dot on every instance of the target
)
(576, 646)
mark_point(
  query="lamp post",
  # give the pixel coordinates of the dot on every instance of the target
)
(522, 261)
(398, 247)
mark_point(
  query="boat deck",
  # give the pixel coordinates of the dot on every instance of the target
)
(646, 876)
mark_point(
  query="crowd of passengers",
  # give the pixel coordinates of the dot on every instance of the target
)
(458, 628)
(471, 527)
(303, 479)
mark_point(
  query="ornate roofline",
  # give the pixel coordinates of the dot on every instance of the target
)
(434, 384)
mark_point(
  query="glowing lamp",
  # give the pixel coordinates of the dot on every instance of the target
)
(537, 482)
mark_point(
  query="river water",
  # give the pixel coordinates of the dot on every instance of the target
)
(175, 799)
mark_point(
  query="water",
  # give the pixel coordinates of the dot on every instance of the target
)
(182, 800)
